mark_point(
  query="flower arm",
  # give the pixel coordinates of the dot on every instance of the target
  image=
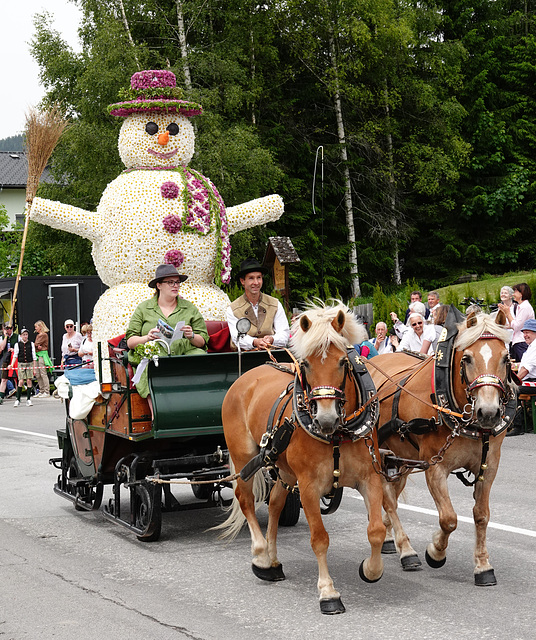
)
(255, 212)
(67, 218)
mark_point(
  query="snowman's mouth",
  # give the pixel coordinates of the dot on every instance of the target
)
(163, 156)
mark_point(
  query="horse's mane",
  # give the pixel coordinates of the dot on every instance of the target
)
(484, 324)
(321, 335)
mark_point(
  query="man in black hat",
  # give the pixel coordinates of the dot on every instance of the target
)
(269, 324)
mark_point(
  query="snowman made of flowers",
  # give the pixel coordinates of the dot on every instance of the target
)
(157, 211)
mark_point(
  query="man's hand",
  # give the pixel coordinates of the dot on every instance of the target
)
(263, 343)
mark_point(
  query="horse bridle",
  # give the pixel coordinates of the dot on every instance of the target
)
(362, 421)
(469, 425)
(487, 379)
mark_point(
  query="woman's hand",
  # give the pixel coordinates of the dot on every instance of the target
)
(188, 332)
(195, 339)
(506, 310)
(153, 334)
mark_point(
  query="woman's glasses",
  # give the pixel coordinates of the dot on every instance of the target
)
(416, 324)
(172, 283)
(69, 326)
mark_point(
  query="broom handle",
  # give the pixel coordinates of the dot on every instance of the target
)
(19, 271)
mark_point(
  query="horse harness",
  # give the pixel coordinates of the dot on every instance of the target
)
(459, 421)
(279, 430)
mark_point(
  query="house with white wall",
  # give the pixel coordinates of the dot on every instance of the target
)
(13, 178)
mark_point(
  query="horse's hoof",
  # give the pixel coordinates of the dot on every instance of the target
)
(435, 564)
(486, 578)
(411, 563)
(364, 577)
(331, 606)
(271, 574)
(388, 547)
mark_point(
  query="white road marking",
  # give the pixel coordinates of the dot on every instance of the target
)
(29, 433)
(433, 512)
(407, 507)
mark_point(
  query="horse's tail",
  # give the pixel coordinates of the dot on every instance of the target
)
(231, 527)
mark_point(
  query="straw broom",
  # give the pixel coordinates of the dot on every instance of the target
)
(43, 130)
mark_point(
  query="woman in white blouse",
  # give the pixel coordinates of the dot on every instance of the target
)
(419, 336)
(523, 312)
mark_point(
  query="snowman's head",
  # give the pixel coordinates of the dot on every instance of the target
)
(156, 140)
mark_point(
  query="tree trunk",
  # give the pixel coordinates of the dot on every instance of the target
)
(392, 192)
(127, 29)
(356, 289)
(184, 50)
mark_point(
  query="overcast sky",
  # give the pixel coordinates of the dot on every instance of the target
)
(20, 73)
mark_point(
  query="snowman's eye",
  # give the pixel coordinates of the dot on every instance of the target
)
(151, 128)
(173, 128)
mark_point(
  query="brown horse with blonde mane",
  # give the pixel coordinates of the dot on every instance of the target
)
(452, 411)
(330, 441)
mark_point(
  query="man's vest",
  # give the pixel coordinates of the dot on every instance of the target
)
(261, 326)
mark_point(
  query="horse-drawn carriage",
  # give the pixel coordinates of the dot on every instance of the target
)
(119, 443)
(317, 422)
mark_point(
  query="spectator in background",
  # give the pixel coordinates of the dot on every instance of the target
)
(433, 301)
(381, 342)
(400, 327)
(416, 296)
(43, 359)
(70, 344)
(86, 348)
(7, 343)
(507, 297)
(419, 337)
(24, 351)
(517, 316)
(366, 349)
(526, 371)
(439, 318)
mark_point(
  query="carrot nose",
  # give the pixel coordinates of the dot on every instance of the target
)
(163, 138)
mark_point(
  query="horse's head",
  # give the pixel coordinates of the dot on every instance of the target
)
(484, 367)
(320, 337)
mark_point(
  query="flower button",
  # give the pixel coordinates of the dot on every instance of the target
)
(169, 190)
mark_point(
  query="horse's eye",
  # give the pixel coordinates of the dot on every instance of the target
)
(151, 128)
(342, 362)
(173, 129)
(306, 365)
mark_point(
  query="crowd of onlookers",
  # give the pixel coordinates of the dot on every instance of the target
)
(419, 331)
(26, 365)
(422, 325)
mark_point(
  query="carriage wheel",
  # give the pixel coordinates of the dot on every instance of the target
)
(146, 512)
(203, 491)
(331, 501)
(87, 493)
(291, 511)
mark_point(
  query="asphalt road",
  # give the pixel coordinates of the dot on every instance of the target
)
(66, 574)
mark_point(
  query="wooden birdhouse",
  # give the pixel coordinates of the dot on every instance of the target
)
(280, 253)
